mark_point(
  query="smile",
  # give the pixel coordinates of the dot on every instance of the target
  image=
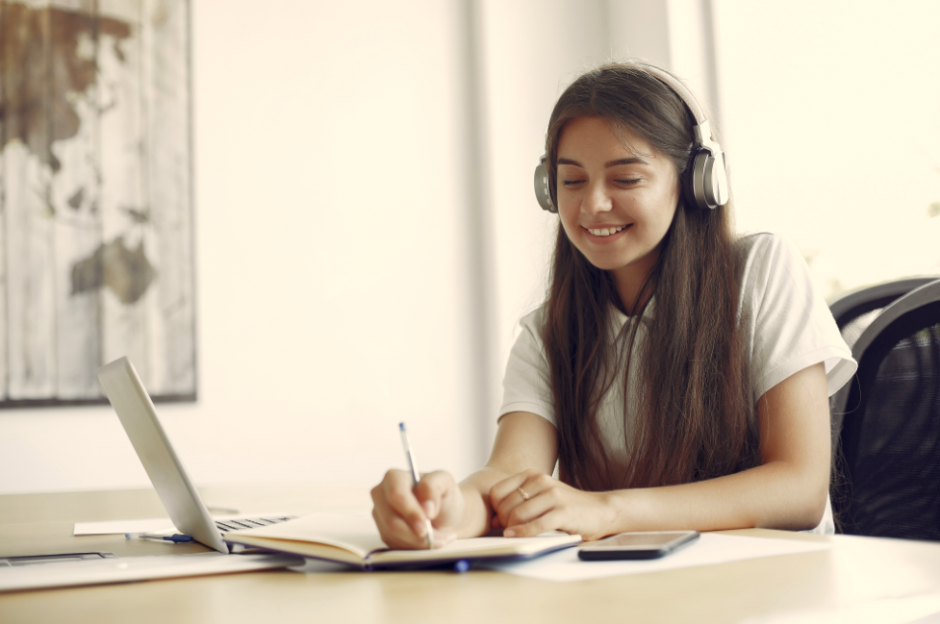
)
(608, 231)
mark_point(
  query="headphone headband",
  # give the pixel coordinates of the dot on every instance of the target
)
(681, 90)
(709, 176)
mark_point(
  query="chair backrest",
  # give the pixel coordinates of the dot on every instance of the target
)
(856, 310)
(890, 436)
(853, 313)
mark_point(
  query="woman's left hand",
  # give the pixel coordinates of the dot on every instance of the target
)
(532, 502)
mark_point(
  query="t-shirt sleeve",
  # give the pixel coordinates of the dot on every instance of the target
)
(792, 327)
(526, 385)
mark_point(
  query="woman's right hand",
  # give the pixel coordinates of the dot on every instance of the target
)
(401, 510)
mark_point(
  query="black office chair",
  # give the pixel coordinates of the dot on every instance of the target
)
(890, 436)
(853, 313)
(856, 310)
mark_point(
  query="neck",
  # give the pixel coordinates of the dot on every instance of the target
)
(629, 282)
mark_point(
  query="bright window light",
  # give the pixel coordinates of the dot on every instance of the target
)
(831, 119)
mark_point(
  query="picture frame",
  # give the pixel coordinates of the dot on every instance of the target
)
(96, 199)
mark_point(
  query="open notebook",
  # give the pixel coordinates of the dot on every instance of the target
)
(353, 538)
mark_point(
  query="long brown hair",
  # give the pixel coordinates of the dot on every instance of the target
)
(694, 416)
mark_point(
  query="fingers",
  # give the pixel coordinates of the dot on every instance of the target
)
(532, 503)
(510, 487)
(401, 511)
(432, 492)
(400, 518)
(535, 512)
(523, 498)
(546, 522)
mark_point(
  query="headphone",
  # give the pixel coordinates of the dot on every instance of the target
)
(709, 177)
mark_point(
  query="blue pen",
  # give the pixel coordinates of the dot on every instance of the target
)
(414, 476)
(176, 538)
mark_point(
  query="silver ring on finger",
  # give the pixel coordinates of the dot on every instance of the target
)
(523, 493)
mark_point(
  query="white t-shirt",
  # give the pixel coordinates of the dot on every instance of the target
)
(790, 328)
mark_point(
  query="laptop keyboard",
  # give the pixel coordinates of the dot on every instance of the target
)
(248, 523)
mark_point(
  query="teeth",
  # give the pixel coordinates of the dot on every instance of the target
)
(606, 231)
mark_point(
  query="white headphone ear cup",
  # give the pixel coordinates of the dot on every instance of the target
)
(701, 179)
(709, 182)
(542, 191)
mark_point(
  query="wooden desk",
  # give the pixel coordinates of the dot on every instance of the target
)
(856, 571)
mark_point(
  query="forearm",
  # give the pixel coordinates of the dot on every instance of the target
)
(773, 495)
(787, 491)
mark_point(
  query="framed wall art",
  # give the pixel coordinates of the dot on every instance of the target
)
(96, 198)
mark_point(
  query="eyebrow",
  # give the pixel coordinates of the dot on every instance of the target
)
(634, 160)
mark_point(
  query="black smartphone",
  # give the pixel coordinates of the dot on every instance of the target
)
(644, 545)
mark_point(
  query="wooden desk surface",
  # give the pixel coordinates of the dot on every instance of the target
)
(856, 572)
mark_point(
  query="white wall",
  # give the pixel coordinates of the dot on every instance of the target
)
(330, 267)
(335, 270)
(833, 132)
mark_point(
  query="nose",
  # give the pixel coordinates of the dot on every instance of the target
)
(597, 199)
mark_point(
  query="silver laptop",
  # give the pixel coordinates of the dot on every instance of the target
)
(183, 504)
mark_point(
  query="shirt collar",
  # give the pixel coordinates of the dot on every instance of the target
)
(619, 320)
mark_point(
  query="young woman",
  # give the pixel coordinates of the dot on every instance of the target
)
(678, 376)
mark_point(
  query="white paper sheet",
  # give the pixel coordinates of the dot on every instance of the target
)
(709, 549)
(128, 569)
(113, 527)
(152, 525)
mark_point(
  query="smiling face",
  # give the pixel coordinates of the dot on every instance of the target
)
(616, 199)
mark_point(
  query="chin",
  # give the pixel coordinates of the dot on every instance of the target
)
(606, 266)
(608, 263)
